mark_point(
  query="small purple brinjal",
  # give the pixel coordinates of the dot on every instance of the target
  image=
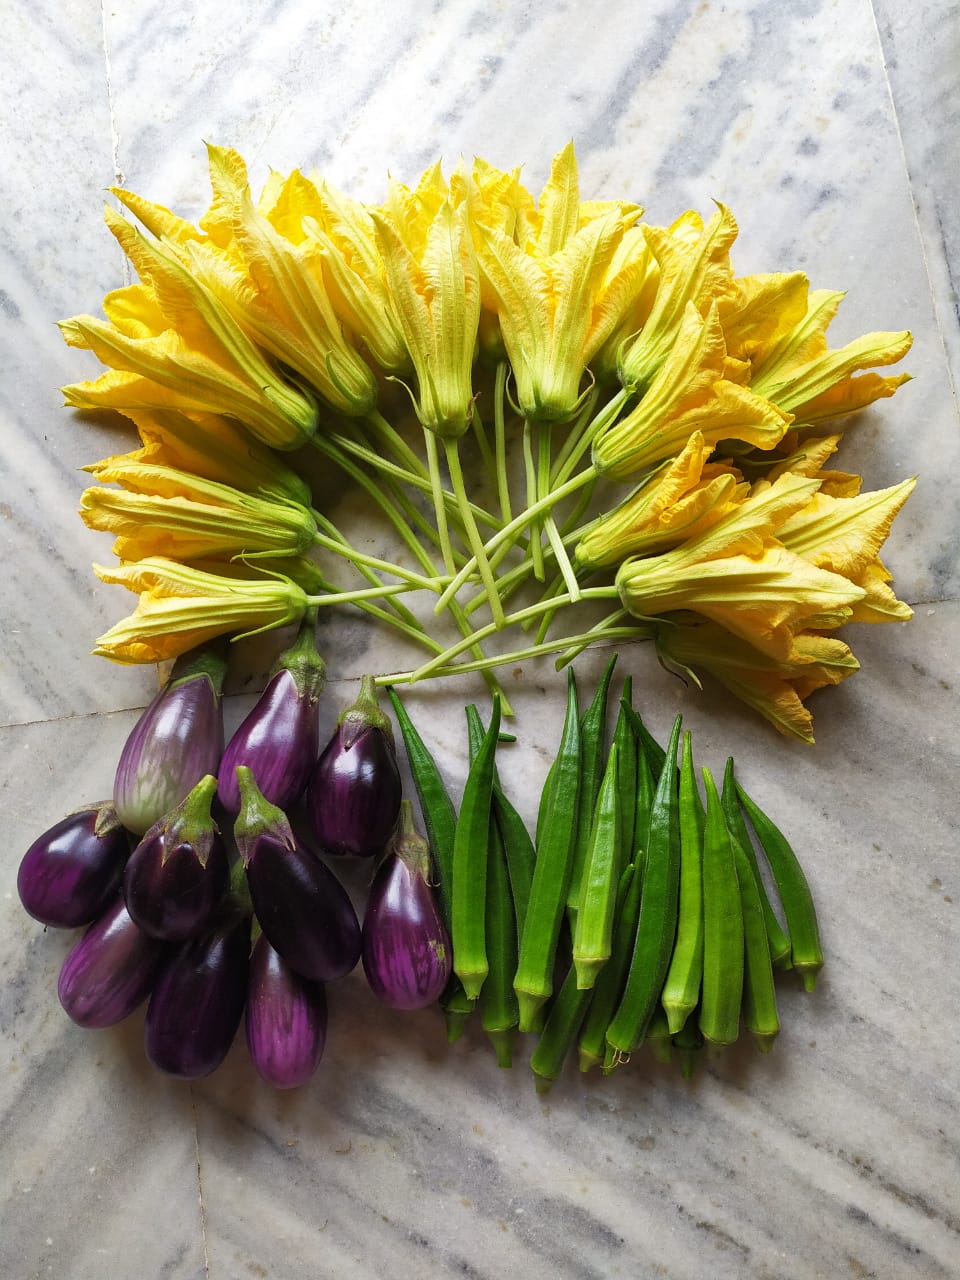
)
(300, 904)
(198, 999)
(179, 872)
(406, 948)
(286, 1019)
(176, 742)
(280, 738)
(354, 793)
(110, 970)
(72, 872)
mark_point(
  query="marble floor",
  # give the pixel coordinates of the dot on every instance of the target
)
(831, 129)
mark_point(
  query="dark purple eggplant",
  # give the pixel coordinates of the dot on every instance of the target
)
(176, 742)
(354, 792)
(71, 873)
(300, 904)
(110, 970)
(279, 739)
(179, 872)
(198, 1000)
(286, 1019)
(406, 947)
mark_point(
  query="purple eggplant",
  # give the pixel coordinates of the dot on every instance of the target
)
(406, 948)
(176, 742)
(110, 970)
(280, 737)
(179, 872)
(71, 873)
(301, 906)
(198, 1000)
(286, 1019)
(354, 793)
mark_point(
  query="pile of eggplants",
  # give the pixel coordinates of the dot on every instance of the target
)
(637, 914)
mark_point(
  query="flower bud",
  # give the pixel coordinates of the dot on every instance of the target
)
(72, 872)
(177, 740)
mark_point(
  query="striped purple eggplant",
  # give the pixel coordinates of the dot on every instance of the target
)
(406, 949)
(72, 872)
(280, 738)
(177, 740)
(301, 906)
(286, 1019)
(110, 970)
(198, 1000)
(354, 792)
(178, 873)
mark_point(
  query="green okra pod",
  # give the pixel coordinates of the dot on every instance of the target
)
(559, 1031)
(652, 749)
(657, 921)
(608, 987)
(681, 990)
(722, 928)
(646, 786)
(658, 1036)
(470, 858)
(760, 1015)
(593, 933)
(592, 750)
(626, 744)
(518, 850)
(777, 939)
(688, 1043)
(794, 891)
(551, 874)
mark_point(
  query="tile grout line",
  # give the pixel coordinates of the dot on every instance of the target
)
(118, 175)
(203, 1211)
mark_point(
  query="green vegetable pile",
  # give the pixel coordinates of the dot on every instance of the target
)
(639, 914)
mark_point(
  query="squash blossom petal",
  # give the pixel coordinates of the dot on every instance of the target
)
(174, 333)
(435, 285)
(163, 512)
(774, 687)
(689, 392)
(694, 263)
(181, 607)
(675, 504)
(760, 310)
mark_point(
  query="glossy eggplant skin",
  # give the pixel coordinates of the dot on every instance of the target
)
(406, 948)
(110, 971)
(198, 1000)
(177, 740)
(169, 893)
(278, 741)
(286, 1020)
(302, 908)
(354, 792)
(71, 873)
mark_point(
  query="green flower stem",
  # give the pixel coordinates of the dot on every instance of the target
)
(401, 449)
(473, 534)
(549, 524)
(364, 593)
(600, 631)
(348, 552)
(491, 681)
(530, 469)
(520, 655)
(440, 509)
(500, 437)
(607, 415)
(398, 607)
(483, 444)
(575, 429)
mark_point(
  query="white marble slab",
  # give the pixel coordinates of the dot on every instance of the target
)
(830, 131)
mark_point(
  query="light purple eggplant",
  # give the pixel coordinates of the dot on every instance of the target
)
(354, 792)
(286, 1019)
(110, 970)
(301, 906)
(198, 1000)
(280, 738)
(72, 872)
(406, 948)
(176, 742)
(179, 872)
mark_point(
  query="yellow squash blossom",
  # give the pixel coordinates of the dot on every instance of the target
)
(688, 393)
(181, 607)
(774, 687)
(172, 344)
(760, 310)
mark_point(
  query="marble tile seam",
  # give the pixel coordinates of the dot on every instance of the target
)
(202, 1206)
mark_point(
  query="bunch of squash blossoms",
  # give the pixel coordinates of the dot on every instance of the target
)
(613, 437)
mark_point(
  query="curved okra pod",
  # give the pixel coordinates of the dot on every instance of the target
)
(551, 874)
(470, 859)
(760, 1015)
(795, 896)
(626, 745)
(518, 850)
(681, 990)
(608, 987)
(646, 786)
(688, 1043)
(592, 735)
(658, 1037)
(657, 922)
(559, 1031)
(652, 749)
(777, 939)
(722, 928)
(593, 933)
